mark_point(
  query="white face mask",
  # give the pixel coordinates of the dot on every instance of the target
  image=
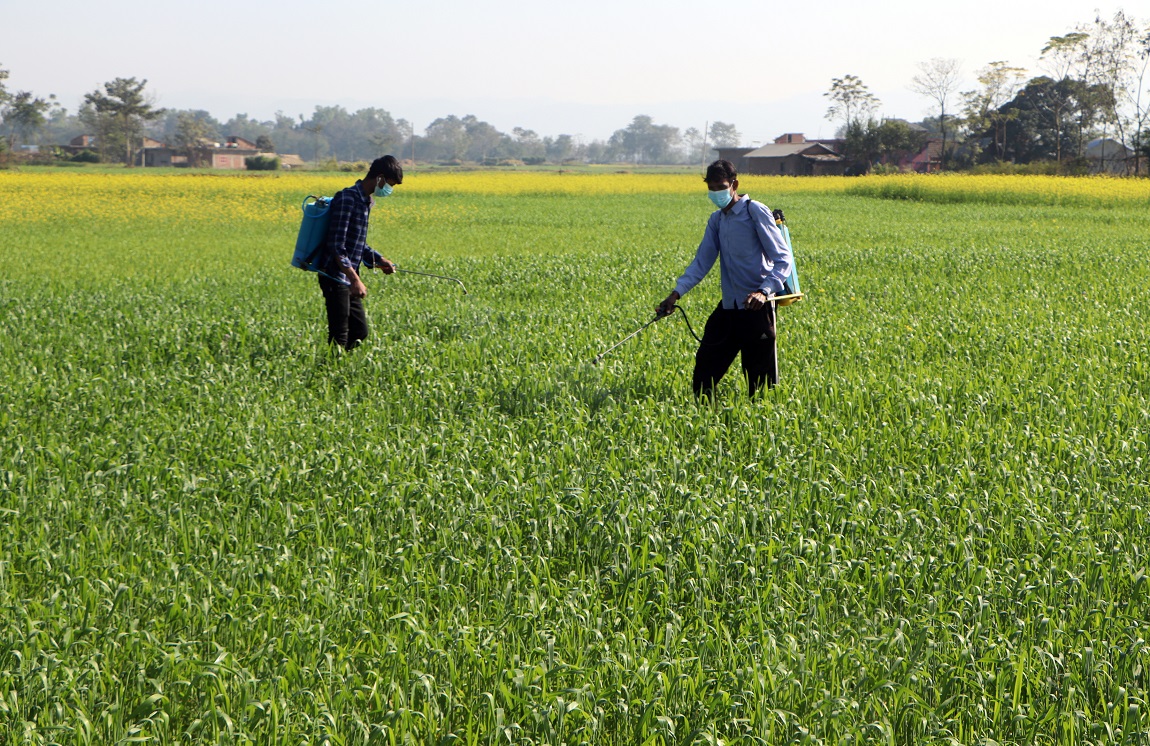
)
(382, 190)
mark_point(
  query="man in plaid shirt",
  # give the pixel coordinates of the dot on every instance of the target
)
(347, 249)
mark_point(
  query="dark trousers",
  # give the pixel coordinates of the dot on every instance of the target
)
(731, 332)
(346, 319)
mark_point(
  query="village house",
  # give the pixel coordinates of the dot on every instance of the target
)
(230, 154)
(789, 155)
(926, 161)
(1107, 155)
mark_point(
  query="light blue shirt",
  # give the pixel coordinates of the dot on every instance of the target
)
(755, 256)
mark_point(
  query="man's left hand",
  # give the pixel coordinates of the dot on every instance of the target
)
(756, 301)
(387, 267)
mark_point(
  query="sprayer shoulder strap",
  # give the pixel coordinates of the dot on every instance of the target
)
(766, 211)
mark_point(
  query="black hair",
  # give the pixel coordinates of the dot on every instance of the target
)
(387, 167)
(721, 170)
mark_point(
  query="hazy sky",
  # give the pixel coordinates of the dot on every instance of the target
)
(584, 68)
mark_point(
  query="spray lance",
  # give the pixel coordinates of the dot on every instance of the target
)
(397, 268)
(659, 315)
(791, 294)
(428, 274)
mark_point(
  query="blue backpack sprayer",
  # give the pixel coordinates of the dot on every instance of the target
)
(311, 248)
(309, 244)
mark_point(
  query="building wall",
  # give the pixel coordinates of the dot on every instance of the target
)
(233, 160)
(791, 165)
(735, 156)
(822, 168)
(154, 157)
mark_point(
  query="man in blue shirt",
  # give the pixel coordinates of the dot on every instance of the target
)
(754, 262)
(347, 249)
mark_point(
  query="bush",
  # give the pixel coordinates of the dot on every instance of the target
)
(1070, 167)
(262, 163)
(534, 160)
(357, 167)
(85, 156)
(885, 169)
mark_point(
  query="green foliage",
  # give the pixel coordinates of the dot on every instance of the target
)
(933, 531)
(117, 115)
(884, 169)
(85, 156)
(851, 101)
(1037, 168)
(262, 163)
(868, 143)
(192, 131)
(23, 115)
(643, 141)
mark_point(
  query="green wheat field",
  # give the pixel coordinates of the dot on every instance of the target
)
(213, 531)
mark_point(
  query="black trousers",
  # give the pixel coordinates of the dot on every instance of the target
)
(731, 332)
(346, 318)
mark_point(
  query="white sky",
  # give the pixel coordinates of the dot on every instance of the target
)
(583, 68)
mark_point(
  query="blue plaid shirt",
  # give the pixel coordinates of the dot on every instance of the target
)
(347, 228)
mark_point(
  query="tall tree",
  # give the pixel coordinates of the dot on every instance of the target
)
(868, 142)
(937, 80)
(850, 100)
(1139, 97)
(627, 143)
(723, 135)
(407, 138)
(1113, 52)
(529, 144)
(23, 115)
(1039, 120)
(4, 97)
(999, 82)
(643, 141)
(861, 144)
(191, 133)
(370, 133)
(693, 142)
(121, 111)
(289, 136)
(560, 149)
(334, 122)
(447, 138)
(898, 140)
(483, 139)
(166, 126)
(1063, 57)
(241, 125)
(60, 126)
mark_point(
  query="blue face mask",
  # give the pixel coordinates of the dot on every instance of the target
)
(384, 190)
(721, 198)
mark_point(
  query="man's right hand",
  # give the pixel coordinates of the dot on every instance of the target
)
(358, 289)
(667, 307)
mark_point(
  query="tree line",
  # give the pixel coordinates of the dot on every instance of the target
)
(121, 114)
(1094, 85)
